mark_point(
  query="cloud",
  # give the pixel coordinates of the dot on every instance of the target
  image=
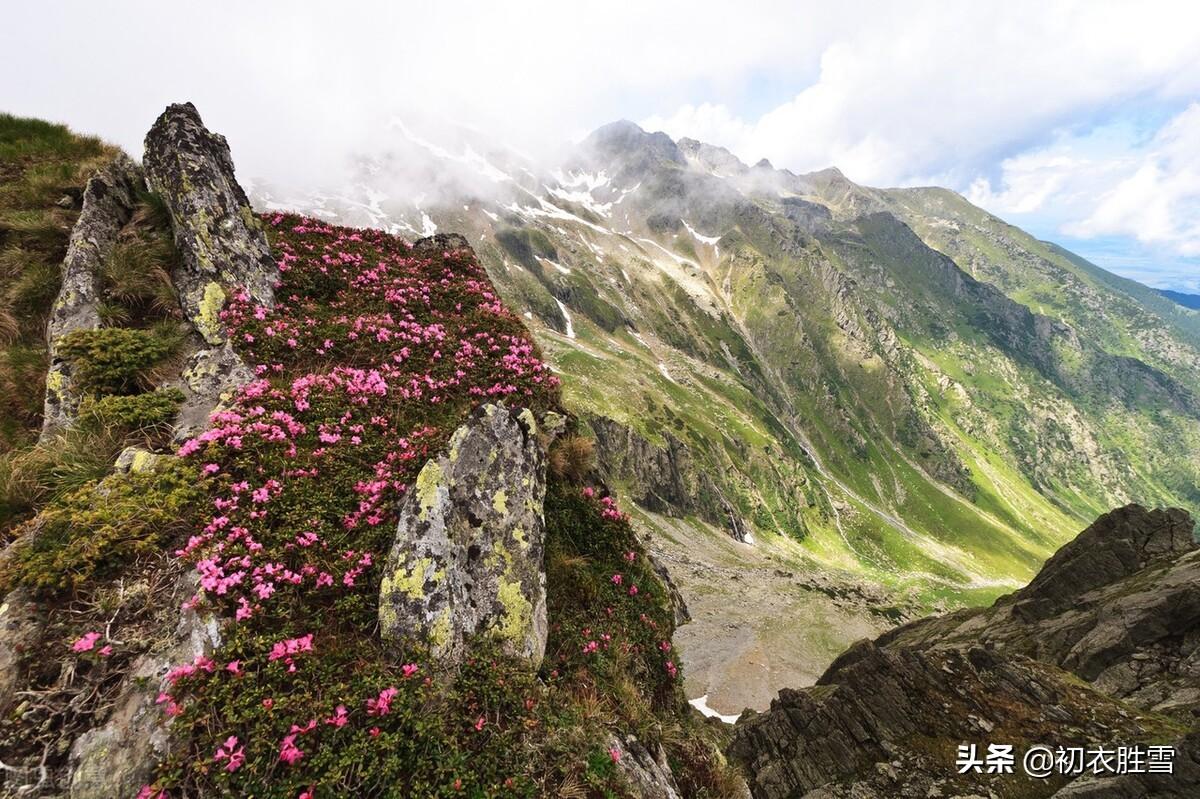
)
(926, 92)
(991, 98)
(1111, 182)
(1158, 199)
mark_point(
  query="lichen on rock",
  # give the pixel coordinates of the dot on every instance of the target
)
(467, 557)
(222, 244)
(108, 204)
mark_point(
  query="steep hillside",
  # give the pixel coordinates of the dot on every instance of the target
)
(891, 389)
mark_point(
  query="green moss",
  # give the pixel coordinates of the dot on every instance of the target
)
(103, 526)
(208, 319)
(152, 411)
(428, 482)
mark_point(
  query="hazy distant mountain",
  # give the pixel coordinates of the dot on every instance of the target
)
(1186, 300)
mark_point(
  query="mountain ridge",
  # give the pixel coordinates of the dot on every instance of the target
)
(917, 394)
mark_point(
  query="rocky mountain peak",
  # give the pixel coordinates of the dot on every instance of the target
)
(1119, 544)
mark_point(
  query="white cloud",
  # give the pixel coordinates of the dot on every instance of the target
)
(1112, 181)
(918, 92)
(1158, 201)
(935, 91)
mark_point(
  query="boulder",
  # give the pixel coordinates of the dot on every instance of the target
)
(648, 773)
(108, 204)
(222, 243)
(209, 379)
(467, 557)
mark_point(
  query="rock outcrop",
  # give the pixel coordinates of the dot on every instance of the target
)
(108, 205)
(1119, 606)
(648, 773)
(118, 758)
(1102, 648)
(468, 551)
(663, 479)
(223, 250)
(222, 244)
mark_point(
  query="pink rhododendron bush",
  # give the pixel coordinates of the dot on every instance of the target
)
(368, 363)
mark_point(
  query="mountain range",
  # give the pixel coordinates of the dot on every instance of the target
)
(891, 389)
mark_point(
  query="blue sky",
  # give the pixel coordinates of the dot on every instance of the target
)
(1079, 121)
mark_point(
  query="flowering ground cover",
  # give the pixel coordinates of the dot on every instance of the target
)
(370, 360)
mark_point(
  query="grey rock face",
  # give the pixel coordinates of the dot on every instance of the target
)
(648, 773)
(108, 203)
(1117, 545)
(208, 380)
(120, 757)
(469, 545)
(21, 625)
(438, 243)
(222, 243)
(1181, 784)
(1119, 606)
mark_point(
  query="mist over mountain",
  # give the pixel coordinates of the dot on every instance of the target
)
(889, 386)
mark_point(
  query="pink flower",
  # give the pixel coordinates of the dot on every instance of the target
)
(615, 754)
(374, 732)
(633, 589)
(231, 751)
(104, 651)
(339, 717)
(268, 703)
(409, 669)
(382, 705)
(616, 579)
(234, 667)
(87, 642)
(479, 724)
(288, 751)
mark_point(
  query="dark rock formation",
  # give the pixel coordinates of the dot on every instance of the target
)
(222, 244)
(468, 551)
(1118, 607)
(223, 250)
(108, 203)
(663, 479)
(1117, 545)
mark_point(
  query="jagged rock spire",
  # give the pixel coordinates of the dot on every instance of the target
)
(222, 243)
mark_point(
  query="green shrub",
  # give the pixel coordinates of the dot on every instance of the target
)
(150, 413)
(115, 360)
(97, 529)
